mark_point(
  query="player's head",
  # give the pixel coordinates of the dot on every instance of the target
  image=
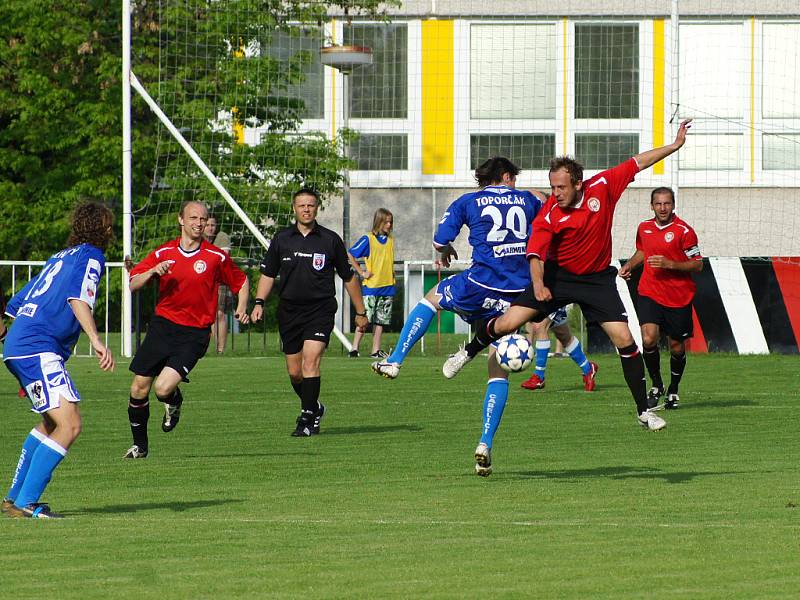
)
(382, 222)
(305, 203)
(210, 230)
(498, 170)
(91, 223)
(566, 180)
(662, 201)
(192, 219)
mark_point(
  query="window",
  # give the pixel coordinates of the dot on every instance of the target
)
(307, 96)
(605, 150)
(606, 71)
(780, 65)
(527, 151)
(380, 90)
(380, 152)
(713, 70)
(781, 151)
(512, 71)
(713, 152)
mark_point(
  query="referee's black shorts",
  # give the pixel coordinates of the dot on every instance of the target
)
(168, 344)
(298, 322)
(675, 322)
(595, 293)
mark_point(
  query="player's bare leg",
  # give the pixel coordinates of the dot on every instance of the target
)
(139, 415)
(493, 405)
(167, 391)
(305, 367)
(63, 426)
(514, 318)
(633, 370)
(677, 364)
(651, 335)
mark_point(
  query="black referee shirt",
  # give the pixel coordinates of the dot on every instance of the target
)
(306, 265)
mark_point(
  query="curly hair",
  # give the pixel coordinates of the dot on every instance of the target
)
(91, 223)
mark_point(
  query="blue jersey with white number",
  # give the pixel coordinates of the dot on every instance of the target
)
(499, 220)
(43, 318)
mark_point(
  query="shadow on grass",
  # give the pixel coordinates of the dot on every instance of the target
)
(621, 472)
(133, 508)
(370, 429)
(689, 404)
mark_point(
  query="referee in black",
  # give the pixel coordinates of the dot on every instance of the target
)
(305, 256)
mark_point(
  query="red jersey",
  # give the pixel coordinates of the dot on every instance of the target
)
(579, 238)
(187, 293)
(675, 241)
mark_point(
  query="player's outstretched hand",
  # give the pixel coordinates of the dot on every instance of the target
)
(104, 356)
(242, 317)
(256, 313)
(680, 139)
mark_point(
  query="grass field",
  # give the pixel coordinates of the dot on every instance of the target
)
(583, 503)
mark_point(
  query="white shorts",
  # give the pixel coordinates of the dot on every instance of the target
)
(45, 380)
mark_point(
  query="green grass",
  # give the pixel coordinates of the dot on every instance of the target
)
(384, 503)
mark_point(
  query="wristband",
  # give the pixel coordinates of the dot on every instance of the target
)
(358, 314)
(259, 302)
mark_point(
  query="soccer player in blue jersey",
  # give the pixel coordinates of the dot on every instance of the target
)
(499, 220)
(49, 314)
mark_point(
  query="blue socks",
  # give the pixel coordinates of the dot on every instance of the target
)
(45, 460)
(493, 405)
(26, 456)
(576, 353)
(413, 329)
(542, 351)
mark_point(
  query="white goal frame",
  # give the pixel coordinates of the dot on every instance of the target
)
(129, 80)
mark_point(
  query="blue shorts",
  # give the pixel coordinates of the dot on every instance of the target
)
(471, 301)
(45, 380)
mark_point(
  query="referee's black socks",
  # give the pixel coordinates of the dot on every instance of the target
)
(138, 415)
(309, 394)
(633, 370)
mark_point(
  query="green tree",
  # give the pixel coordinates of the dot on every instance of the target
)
(60, 110)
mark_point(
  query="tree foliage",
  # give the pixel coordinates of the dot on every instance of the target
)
(60, 107)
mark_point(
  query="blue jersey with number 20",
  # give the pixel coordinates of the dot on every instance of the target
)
(43, 318)
(499, 220)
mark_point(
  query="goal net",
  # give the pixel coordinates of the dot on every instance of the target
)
(449, 87)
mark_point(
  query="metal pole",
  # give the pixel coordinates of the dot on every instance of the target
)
(127, 213)
(345, 194)
(675, 95)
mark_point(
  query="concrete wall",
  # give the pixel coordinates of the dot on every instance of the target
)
(728, 221)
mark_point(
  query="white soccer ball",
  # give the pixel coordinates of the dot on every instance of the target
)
(513, 352)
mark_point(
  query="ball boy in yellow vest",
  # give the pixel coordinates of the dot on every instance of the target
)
(378, 283)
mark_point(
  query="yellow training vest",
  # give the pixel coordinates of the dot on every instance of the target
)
(380, 262)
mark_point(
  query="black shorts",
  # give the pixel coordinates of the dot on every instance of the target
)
(675, 322)
(168, 344)
(595, 293)
(307, 321)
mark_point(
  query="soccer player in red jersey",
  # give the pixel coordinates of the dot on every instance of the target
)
(667, 246)
(189, 271)
(573, 232)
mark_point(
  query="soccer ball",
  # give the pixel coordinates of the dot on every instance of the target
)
(513, 352)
